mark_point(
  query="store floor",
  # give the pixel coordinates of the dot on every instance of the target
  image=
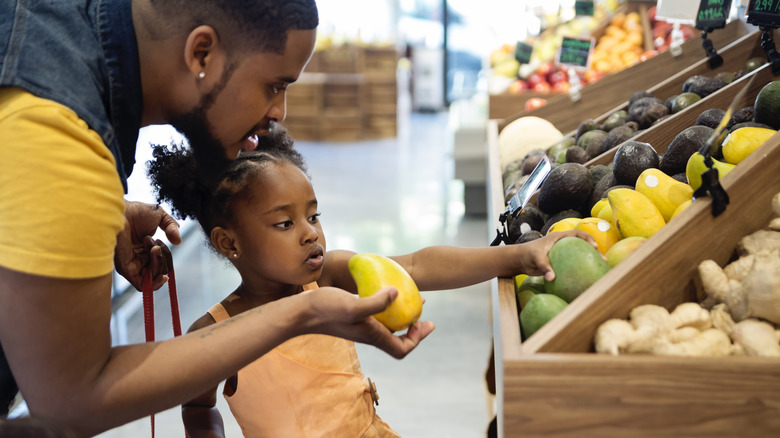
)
(388, 196)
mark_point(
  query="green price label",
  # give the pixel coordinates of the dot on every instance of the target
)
(584, 8)
(764, 13)
(713, 14)
(575, 52)
(523, 52)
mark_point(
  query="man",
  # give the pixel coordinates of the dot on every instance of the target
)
(78, 78)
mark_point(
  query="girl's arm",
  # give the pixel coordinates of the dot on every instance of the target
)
(200, 415)
(450, 267)
(447, 267)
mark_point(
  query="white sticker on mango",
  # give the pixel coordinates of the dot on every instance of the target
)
(604, 226)
(651, 181)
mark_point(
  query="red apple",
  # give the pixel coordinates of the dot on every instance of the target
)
(542, 87)
(534, 78)
(534, 102)
(556, 77)
(518, 86)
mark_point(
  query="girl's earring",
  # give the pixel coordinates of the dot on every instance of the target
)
(235, 255)
(201, 75)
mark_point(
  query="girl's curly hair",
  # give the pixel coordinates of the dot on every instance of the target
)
(177, 180)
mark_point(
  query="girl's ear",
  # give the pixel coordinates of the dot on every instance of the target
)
(224, 242)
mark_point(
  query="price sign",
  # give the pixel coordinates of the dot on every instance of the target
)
(584, 8)
(764, 13)
(575, 52)
(713, 14)
(523, 52)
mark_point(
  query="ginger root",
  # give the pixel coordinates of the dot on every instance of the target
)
(757, 338)
(687, 331)
(750, 286)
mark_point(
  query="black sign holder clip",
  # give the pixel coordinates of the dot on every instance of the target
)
(768, 44)
(713, 57)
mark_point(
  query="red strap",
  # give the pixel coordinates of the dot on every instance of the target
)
(148, 304)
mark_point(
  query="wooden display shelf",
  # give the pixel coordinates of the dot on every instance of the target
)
(614, 89)
(735, 56)
(554, 385)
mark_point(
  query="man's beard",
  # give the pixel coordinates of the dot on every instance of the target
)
(209, 153)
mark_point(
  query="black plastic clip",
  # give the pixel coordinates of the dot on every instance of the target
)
(501, 235)
(713, 57)
(768, 44)
(710, 183)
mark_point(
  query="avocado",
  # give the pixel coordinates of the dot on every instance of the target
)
(749, 124)
(684, 100)
(530, 215)
(631, 159)
(617, 136)
(512, 178)
(754, 63)
(668, 102)
(561, 145)
(767, 105)
(511, 167)
(528, 164)
(529, 236)
(577, 155)
(725, 76)
(587, 125)
(639, 95)
(566, 187)
(682, 177)
(601, 186)
(661, 119)
(596, 135)
(702, 85)
(742, 115)
(614, 120)
(688, 141)
(598, 171)
(558, 216)
(646, 110)
(710, 117)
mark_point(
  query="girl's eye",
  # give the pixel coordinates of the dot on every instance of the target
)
(284, 225)
(315, 218)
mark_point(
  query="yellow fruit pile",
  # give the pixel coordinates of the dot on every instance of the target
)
(620, 46)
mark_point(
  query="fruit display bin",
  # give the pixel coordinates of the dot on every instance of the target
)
(615, 89)
(554, 385)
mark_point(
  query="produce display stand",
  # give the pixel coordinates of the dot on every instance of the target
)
(553, 385)
(615, 89)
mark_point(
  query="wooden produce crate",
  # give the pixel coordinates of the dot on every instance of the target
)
(382, 106)
(341, 128)
(344, 95)
(341, 59)
(380, 60)
(614, 89)
(553, 385)
(505, 105)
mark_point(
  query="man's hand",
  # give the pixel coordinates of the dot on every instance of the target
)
(339, 313)
(136, 250)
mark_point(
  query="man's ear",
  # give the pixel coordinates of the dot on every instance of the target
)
(204, 53)
(225, 243)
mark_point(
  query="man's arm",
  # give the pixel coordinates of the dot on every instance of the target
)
(56, 336)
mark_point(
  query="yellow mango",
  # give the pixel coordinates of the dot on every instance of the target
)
(564, 225)
(634, 213)
(696, 167)
(601, 203)
(743, 141)
(681, 207)
(623, 249)
(372, 272)
(665, 192)
(602, 231)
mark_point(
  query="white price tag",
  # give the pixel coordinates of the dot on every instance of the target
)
(681, 11)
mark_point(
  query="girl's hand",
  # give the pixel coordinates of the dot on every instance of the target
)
(534, 253)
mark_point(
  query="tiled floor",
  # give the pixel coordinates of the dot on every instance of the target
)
(389, 196)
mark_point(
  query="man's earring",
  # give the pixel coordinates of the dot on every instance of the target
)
(235, 255)
(201, 75)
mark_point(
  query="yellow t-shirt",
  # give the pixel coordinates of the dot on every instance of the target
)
(61, 200)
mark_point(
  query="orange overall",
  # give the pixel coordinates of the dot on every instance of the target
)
(309, 386)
